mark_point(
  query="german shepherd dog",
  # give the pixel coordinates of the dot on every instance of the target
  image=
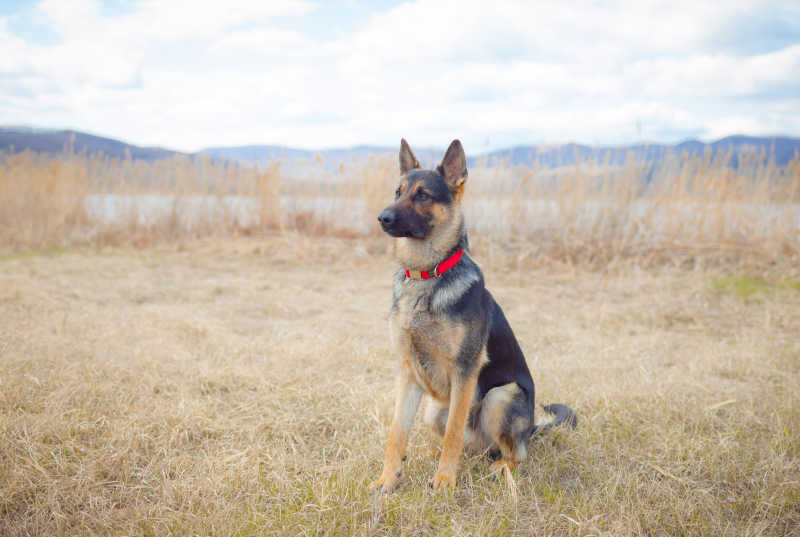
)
(452, 339)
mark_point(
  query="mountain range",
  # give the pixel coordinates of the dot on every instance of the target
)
(781, 149)
(17, 139)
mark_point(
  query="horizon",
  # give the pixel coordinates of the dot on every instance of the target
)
(420, 147)
(300, 74)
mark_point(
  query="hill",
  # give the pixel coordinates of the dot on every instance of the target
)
(16, 139)
(781, 149)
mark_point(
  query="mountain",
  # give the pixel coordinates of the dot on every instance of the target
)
(781, 149)
(332, 158)
(16, 139)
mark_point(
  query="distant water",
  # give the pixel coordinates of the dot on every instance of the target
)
(191, 210)
(492, 216)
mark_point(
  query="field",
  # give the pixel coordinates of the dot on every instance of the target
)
(244, 388)
(218, 378)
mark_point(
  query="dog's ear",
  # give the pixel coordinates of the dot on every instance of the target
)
(408, 161)
(454, 166)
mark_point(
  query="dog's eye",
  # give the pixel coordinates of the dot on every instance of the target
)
(397, 193)
(421, 195)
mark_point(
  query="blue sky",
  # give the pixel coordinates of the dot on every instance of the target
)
(192, 74)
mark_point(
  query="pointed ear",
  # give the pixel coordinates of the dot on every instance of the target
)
(454, 166)
(408, 161)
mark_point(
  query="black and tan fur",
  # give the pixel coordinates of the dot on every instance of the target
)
(453, 342)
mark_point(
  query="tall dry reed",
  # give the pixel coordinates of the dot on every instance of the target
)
(595, 213)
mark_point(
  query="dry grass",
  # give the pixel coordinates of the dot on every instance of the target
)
(226, 371)
(242, 387)
(684, 211)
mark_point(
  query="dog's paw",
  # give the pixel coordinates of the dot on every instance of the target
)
(497, 467)
(382, 485)
(377, 484)
(442, 480)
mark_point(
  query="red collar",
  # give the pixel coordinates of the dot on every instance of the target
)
(438, 270)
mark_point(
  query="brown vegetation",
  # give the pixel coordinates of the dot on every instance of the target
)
(685, 210)
(243, 387)
(228, 372)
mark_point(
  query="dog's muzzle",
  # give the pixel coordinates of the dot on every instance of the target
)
(387, 218)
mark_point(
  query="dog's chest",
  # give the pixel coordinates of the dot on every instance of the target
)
(426, 343)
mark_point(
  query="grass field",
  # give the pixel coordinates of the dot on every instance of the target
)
(242, 386)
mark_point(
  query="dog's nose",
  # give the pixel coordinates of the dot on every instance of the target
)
(386, 218)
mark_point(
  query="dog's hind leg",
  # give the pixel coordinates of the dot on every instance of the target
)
(506, 420)
(436, 418)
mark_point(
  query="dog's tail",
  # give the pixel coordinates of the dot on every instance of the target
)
(562, 415)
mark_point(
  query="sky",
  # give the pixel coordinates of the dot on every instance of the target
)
(193, 74)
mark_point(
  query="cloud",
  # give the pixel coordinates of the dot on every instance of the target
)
(192, 74)
(163, 21)
(720, 74)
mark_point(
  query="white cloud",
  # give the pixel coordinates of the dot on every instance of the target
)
(14, 57)
(272, 42)
(163, 20)
(192, 74)
(719, 74)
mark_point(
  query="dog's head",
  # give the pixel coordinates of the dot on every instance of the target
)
(425, 199)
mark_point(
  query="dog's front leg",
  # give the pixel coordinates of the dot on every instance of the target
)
(407, 400)
(461, 394)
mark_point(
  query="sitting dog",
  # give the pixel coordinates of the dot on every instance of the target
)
(450, 336)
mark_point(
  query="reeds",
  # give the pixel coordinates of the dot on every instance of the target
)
(681, 210)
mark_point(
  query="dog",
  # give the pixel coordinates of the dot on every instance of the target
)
(453, 341)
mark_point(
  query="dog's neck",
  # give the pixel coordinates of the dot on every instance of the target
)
(441, 243)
